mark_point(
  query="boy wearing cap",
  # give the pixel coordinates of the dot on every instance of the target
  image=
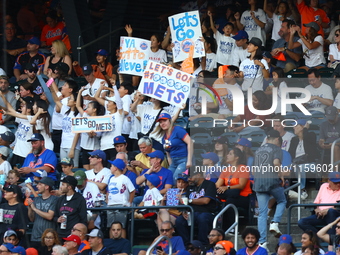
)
(14, 211)
(152, 195)
(41, 210)
(71, 204)
(32, 55)
(120, 192)
(11, 237)
(240, 52)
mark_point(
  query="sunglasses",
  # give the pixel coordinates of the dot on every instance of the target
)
(336, 35)
(337, 226)
(165, 229)
(216, 248)
(94, 156)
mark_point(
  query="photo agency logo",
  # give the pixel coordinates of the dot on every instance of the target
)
(238, 105)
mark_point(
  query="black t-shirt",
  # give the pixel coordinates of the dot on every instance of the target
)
(206, 189)
(15, 217)
(121, 245)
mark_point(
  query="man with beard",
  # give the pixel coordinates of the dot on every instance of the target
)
(202, 195)
(280, 47)
(214, 236)
(9, 95)
(251, 237)
(41, 211)
(40, 159)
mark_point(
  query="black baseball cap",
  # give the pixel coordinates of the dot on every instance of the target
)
(70, 180)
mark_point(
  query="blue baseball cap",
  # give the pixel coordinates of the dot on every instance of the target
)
(244, 142)
(119, 139)
(36, 137)
(164, 116)
(8, 246)
(285, 239)
(119, 163)
(183, 177)
(212, 156)
(156, 154)
(301, 122)
(334, 176)
(183, 252)
(34, 40)
(154, 179)
(99, 153)
(241, 35)
(102, 52)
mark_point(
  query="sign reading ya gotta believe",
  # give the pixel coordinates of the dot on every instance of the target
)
(134, 54)
(88, 124)
(165, 83)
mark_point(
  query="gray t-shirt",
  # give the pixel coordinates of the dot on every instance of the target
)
(41, 224)
(330, 132)
(265, 175)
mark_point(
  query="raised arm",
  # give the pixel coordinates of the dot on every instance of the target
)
(128, 30)
(78, 103)
(212, 25)
(98, 92)
(266, 10)
(291, 43)
(166, 40)
(36, 116)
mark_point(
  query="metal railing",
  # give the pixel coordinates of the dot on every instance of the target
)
(148, 252)
(332, 152)
(235, 224)
(289, 214)
(151, 208)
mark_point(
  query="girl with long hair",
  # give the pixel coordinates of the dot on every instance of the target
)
(156, 53)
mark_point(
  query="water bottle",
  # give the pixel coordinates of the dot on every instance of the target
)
(63, 224)
(189, 219)
(2, 179)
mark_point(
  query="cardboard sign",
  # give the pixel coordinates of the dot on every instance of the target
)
(134, 55)
(185, 32)
(88, 124)
(166, 84)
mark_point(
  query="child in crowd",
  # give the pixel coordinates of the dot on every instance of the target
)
(210, 63)
(225, 43)
(5, 166)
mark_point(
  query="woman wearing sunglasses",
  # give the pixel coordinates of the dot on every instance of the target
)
(334, 50)
(223, 247)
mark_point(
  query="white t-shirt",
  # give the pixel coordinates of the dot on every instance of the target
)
(40, 126)
(210, 61)
(239, 54)
(158, 56)
(277, 26)
(152, 194)
(193, 96)
(135, 127)
(126, 108)
(224, 108)
(106, 142)
(300, 252)
(313, 57)
(102, 176)
(249, 70)
(5, 167)
(323, 91)
(119, 189)
(67, 135)
(286, 139)
(337, 101)
(251, 27)
(24, 132)
(333, 50)
(278, 108)
(93, 89)
(88, 143)
(90, 194)
(57, 117)
(225, 47)
(147, 117)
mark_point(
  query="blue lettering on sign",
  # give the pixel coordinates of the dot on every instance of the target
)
(130, 43)
(181, 28)
(148, 88)
(126, 66)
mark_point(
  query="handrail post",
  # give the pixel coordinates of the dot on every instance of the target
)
(235, 225)
(148, 252)
(79, 48)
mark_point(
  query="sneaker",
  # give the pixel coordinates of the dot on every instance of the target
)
(274, 229)
(293, 194)
(304, 195)
(264, 245)
(231, 232)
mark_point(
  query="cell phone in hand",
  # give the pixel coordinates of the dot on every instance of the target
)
(159, 248)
